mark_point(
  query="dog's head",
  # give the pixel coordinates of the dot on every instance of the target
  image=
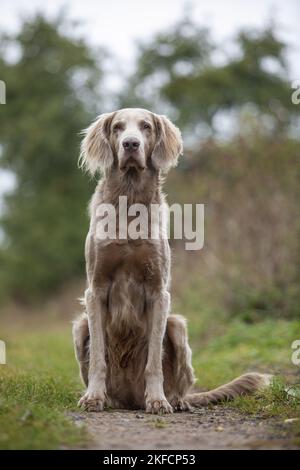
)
(130, 139)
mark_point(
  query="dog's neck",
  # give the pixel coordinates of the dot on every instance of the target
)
(143, 187)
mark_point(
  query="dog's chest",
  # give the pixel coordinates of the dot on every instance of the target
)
(138, 260)
(130, 270)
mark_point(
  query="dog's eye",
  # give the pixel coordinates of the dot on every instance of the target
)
(117, 127)
(146, 126)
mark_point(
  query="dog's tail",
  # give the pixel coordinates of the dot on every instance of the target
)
(246, 384)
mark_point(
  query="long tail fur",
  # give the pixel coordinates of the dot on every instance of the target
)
(246, 384)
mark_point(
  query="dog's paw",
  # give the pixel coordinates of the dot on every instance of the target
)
(158, 407)
(92, 401)
(179, 404)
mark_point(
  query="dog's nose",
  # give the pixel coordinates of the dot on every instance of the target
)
(131, 143)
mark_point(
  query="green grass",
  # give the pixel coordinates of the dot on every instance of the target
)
(264, 346)
(38, 386)
(279, 401)
(224, 348)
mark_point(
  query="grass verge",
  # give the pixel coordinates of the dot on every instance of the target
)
(224, 349)
(38, 386)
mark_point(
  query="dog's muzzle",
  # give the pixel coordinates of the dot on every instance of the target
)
(131, 155)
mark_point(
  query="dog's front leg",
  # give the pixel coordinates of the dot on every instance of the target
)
(95, 396)
(156, 401)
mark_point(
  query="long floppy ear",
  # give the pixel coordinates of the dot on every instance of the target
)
(95, 152)
(169, 144)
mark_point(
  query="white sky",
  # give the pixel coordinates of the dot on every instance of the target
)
(119, 24)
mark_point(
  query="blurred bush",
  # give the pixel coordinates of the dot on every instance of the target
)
(251, 190)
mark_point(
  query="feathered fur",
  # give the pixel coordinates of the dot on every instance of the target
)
(132, 352)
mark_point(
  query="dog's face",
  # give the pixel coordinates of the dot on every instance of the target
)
(130, 139)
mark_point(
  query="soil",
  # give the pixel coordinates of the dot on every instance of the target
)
(219, 427)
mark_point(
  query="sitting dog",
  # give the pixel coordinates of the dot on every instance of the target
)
(132, 352)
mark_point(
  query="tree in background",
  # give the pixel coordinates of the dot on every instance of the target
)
(50, 89)
(179, 71)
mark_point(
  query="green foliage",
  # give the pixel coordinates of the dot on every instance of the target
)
(48, 90)
(185, 47)
(178, 71)
(249, 266)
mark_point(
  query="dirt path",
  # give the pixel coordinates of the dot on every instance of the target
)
(216, 428)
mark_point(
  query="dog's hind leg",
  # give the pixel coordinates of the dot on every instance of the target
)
(81, 338)
(177, 363)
